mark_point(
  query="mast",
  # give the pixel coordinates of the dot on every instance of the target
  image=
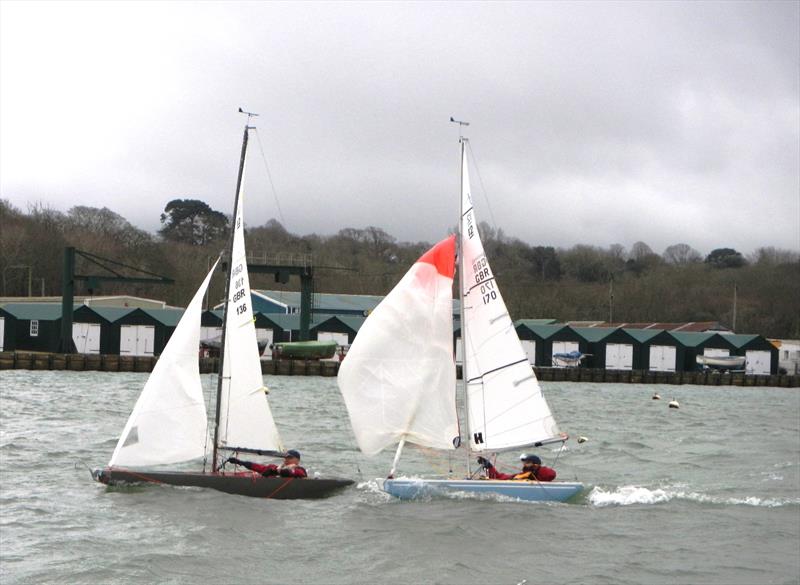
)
(214, 466)
(463, 321)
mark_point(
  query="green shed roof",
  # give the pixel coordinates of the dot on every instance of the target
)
(690, 339)
(168, 317)
(643, 335)
(540, 328)
(111, 314)
(40, 311)
(740, 339)
(594, 334)
(354, 322)
(282, 320)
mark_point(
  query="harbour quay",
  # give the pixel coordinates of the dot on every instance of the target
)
(20, 360)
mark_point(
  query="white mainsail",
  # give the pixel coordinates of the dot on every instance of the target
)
(506, 408)
(168, 423)
(398, 379)
(245, 419)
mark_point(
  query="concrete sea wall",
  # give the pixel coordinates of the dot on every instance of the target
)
(19, 360)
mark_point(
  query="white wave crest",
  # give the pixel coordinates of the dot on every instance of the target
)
(371, 486)
(630, 494)
(627, 495)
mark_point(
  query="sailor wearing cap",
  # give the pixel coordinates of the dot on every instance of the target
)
(290, 467)
(532, 469)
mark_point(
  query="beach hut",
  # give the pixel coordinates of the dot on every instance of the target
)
(566, 340)
(144, 331)
(6, 320)
(658, 350)
(707, 344)
(536, 336)
(211, 324)
(277, 326)
(31, 326)
(761, 355)
(93, 329)
(339, 328)
(611, 348)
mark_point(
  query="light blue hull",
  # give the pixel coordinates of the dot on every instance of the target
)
(531, 491)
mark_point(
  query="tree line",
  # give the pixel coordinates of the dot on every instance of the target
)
(579, 283)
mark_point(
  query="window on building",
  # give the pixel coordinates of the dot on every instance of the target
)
(34, 328)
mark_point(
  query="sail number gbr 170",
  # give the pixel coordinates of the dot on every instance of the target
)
(484, 279)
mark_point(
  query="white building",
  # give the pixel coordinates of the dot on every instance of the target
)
(788, 354)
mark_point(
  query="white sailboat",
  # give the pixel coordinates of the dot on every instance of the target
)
(398, 380)
(169, 423)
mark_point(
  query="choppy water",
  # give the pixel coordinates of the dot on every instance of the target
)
(709, 493)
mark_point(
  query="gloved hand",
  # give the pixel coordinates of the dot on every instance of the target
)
(233, 460)
(483, 462)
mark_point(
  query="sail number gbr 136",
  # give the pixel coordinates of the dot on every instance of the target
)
(238, 285)
(484, 280)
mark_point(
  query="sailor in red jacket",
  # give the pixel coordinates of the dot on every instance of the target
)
(290, 468)
(532, 469)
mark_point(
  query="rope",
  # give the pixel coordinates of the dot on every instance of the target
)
(283, 485)
(80, 463)
(269, 176)
(483, 189)
(558, 454)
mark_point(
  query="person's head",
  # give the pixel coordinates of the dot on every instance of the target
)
(291, 457)
(530, 461)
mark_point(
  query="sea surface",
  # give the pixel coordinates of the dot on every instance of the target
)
(708, 493)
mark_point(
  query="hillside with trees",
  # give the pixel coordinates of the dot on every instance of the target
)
(579, 283)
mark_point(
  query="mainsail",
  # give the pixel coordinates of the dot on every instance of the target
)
(398, 379)
(245, 419)
(168, 423)
(506, 408)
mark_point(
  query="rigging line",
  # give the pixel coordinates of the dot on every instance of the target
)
(269, 176)
(480, 180)
(525, 359)
(558, 453)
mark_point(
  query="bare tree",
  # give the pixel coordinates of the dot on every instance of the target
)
(681, 254)
(774, 256)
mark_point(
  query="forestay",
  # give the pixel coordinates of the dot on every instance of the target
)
(506, 406)
(245, 419)
(398, 379)
(168, 423)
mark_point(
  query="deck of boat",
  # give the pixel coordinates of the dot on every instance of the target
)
(240, 483)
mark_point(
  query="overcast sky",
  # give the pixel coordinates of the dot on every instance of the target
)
(593, 123)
